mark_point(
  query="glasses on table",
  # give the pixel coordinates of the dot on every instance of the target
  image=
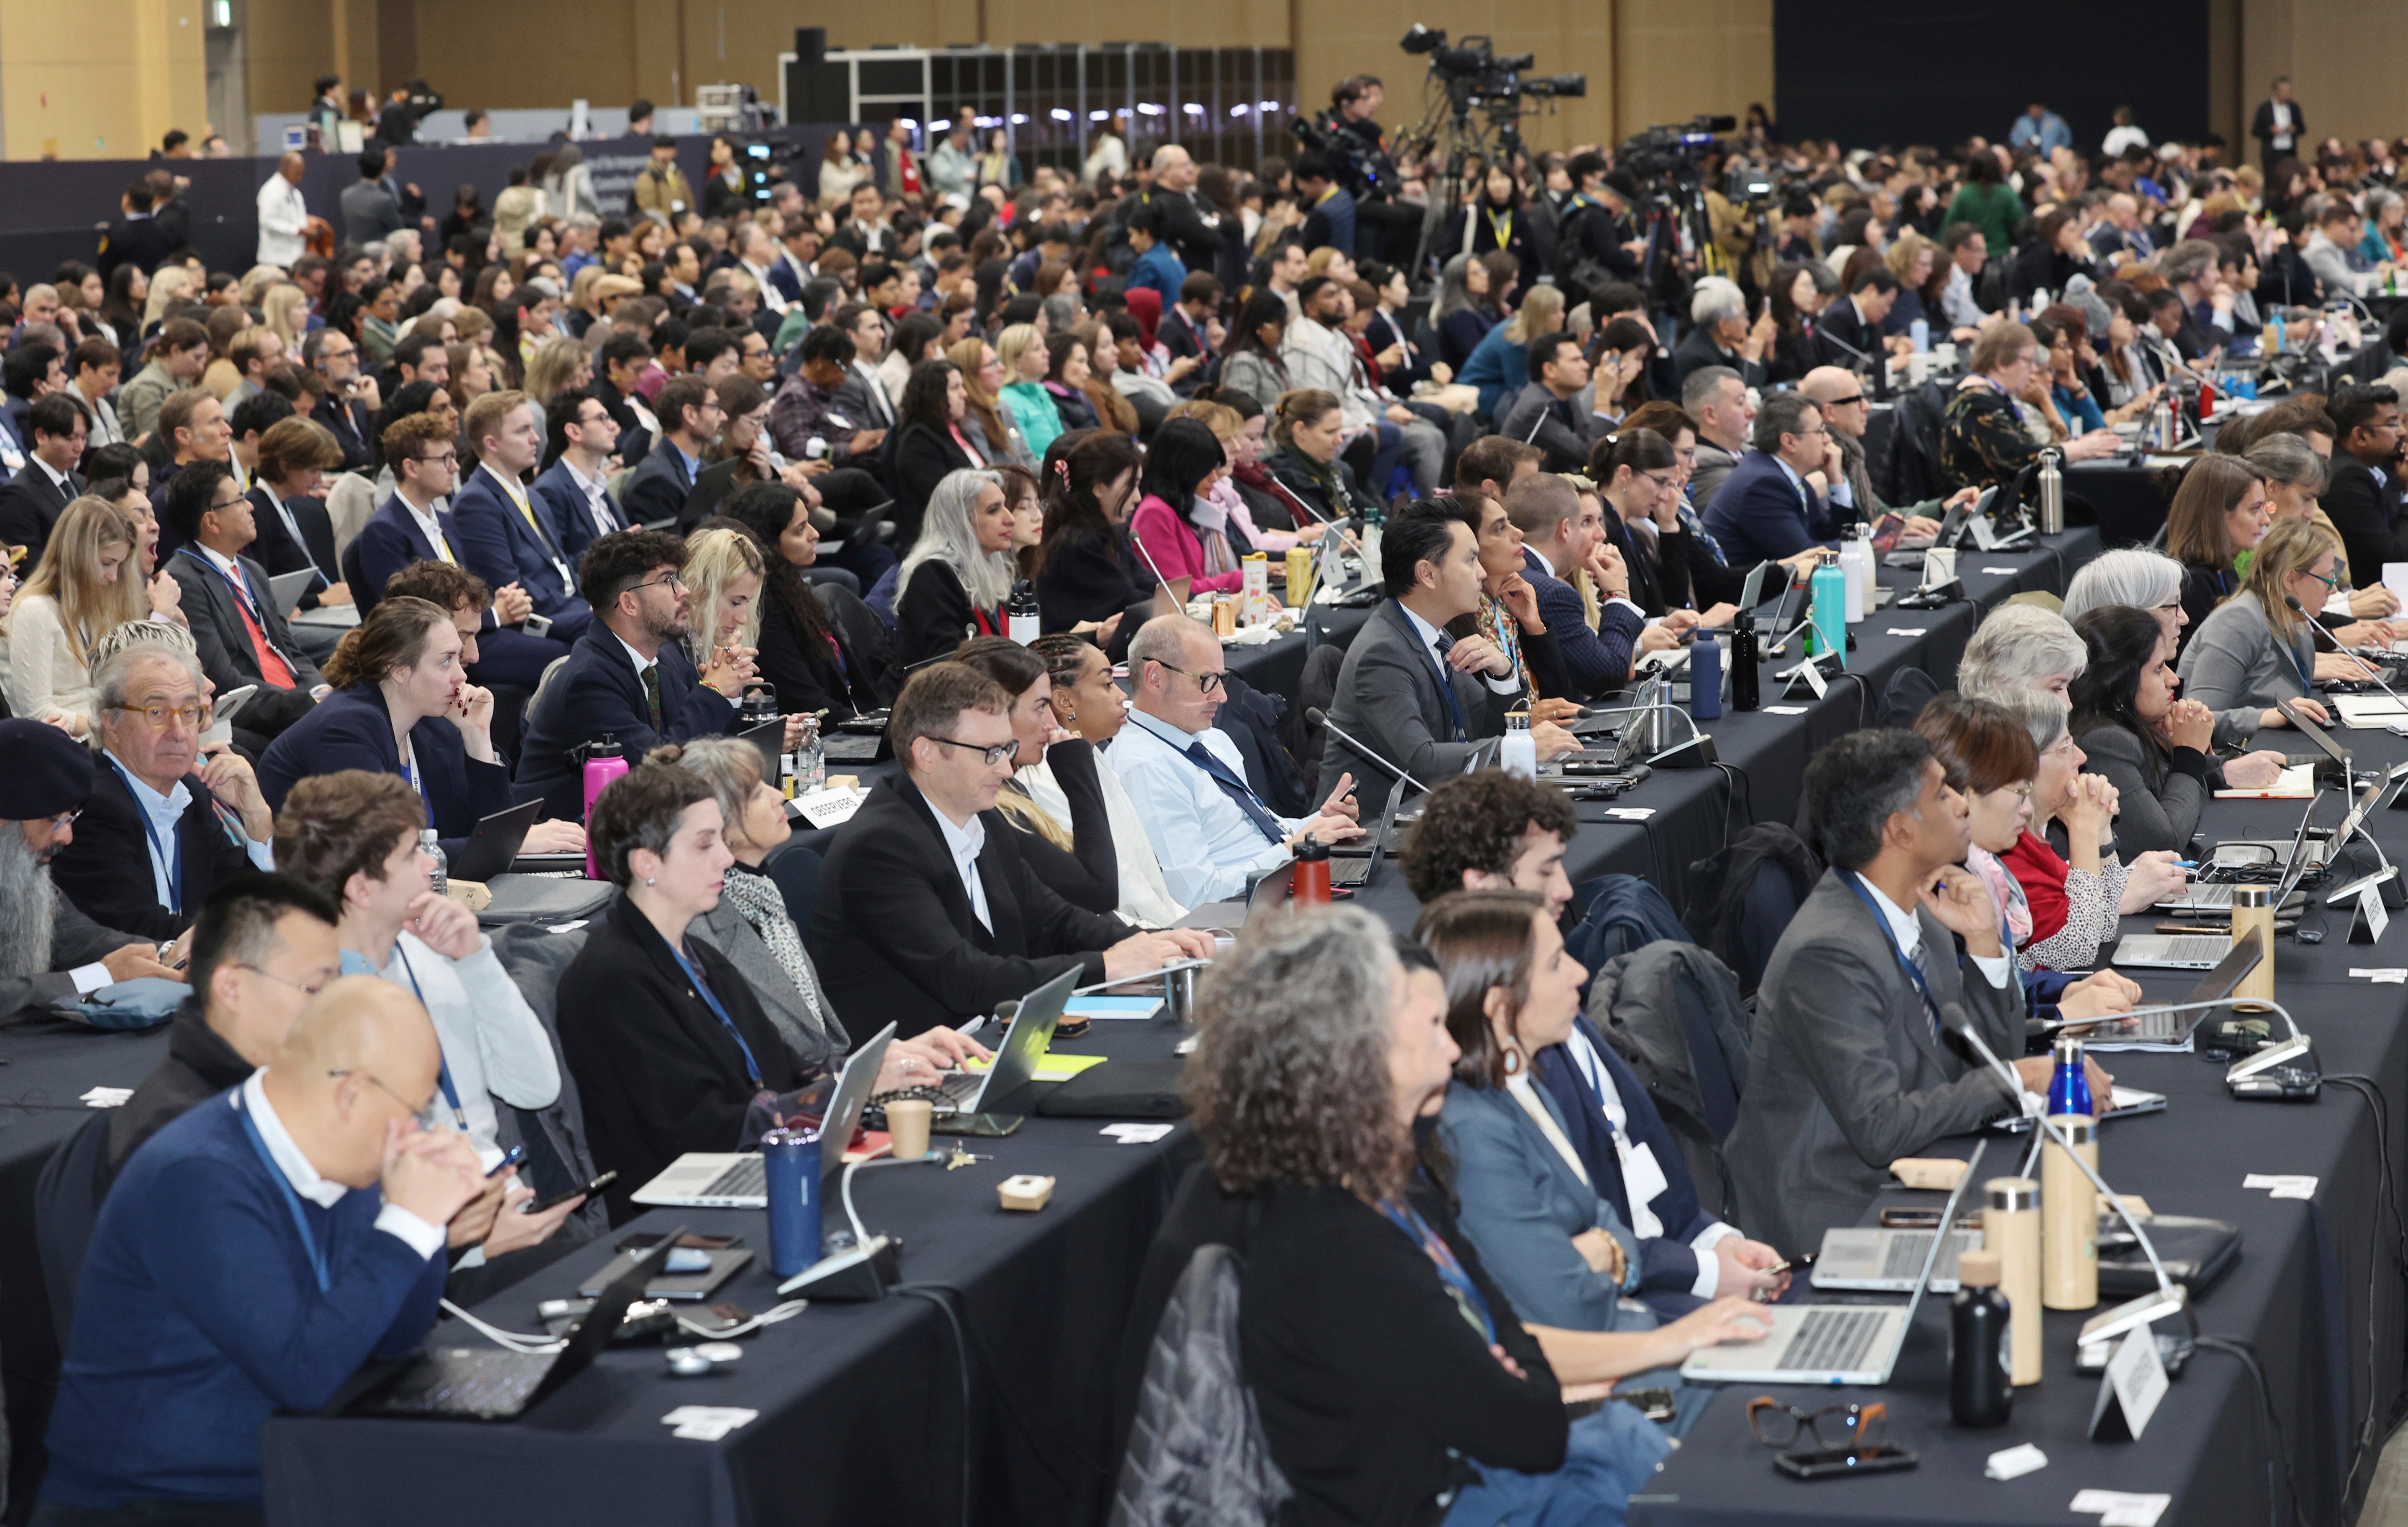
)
(1777, 1424)
(991, 756)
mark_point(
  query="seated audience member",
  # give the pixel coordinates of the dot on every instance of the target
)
(414, 524)
(32, 501)
(723, 588)
(503, 538)
(819, 647)
(575, 488)
(1088, 571)
(1553, 1228)
(2213, 527)
(628, 678)
(239, 632)
(84, 587)
(1849, 1067)
(1087, 702)
(1638, 476)
(2364, 496)
(162, 824)
(2296, 475)
(2074, 896)
(263, 946)
(1080, 863)
(1769, 508)
(751, 926)
(49, 951)
(1716, 398)
(2157, 750)
(1211, 831)
(928, 912)
(958, 573)
(929, 441)
(2260, 647)
(1983, 441)
(198, 1315)
(1509, 610)
(1847, 414)
(2022, 646)
(1695, 568)
(1307, 430)
(1434, 1373)
(1408, 689)
(691, 418)
(295, 533)
(1546, 413)
(1177, 528)
(2153, 581)
(1563, 535)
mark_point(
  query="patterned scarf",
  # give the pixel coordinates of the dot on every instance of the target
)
(1498, 625)
(757, 898)
(2004, 891)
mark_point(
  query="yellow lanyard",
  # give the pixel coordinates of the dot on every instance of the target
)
(1504, 231)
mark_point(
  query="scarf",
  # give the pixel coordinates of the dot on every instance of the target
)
(1498, 625)
(1212, 525)
(757, 897)
(2005, 891)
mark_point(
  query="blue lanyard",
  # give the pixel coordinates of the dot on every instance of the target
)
(1913, 972)
(292, 1199)
(1449, 1271)
(171, 868)
(240, 592)
(415, 777)
(442, 1062)
(752, 1066)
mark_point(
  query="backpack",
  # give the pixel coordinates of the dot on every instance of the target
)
(1619, 914)
(1745, 896)
(1196, 1456)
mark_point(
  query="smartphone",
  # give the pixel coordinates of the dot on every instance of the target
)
(517, 1155)
(540, 1205)
(987, 1126)
(1886, 532)
(536, 625)
(1838, 1463)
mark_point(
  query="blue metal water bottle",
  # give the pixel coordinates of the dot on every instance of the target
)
(792, 1157)
(1829, 587)
(2068, 1085)
(1705, 679)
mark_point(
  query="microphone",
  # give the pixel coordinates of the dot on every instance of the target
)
(1662, 704)
(2373, 675)
(2170, 1297)
(1320, 718)
(2282, 1053)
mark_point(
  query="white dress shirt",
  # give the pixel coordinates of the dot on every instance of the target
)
(1207, 845)
(1643, 1176)
(1145, 894)
(1907, 929)
(966, 843)
(1509, 685)
(595, 490)
(430, 527)
(166, 812)
(394, 1221)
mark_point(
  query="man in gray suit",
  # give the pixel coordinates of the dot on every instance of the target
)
(1849, 1069)
(1421, 698)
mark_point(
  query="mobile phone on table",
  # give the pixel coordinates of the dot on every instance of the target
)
(517, 1155)
(1838, 1463)
(541, 1206)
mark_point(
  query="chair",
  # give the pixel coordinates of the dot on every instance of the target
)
(795, 869)
(1747, 895)
(1909, 690)
(2038, 599)
(1315, 688)
(66, 1207)
(1674, 1012)
(351, 504)
(356, 578)
(1196, 1451)
(1921, 417)
(551, 670)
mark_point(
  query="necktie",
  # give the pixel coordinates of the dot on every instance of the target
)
(1446, 644)
(1236, 789)
(272, 670)
(542, 538)
(652, 692)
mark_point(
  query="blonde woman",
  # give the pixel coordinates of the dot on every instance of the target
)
(172, 284)
(1026, 404)
(722, 580)
(2256, 648)
(82, 590)
(999, 439)
(1500, 362)
(285, 310)
(558, 365)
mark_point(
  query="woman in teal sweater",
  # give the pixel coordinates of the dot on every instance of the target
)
(1986, 202)
(1025, 397)
(1499, 365)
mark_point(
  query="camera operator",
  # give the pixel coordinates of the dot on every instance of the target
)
(1386, 226)
(1596, 243)
(410, 104)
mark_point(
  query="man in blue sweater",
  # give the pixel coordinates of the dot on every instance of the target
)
(250, 1258)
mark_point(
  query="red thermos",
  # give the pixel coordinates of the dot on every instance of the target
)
(1312, 883)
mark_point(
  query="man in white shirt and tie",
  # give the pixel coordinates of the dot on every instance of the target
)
(1210, 829)
(574, 490)
(282, 215)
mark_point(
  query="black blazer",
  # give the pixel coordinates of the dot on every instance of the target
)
(218, 631)
(348, 422)
(933, 615)
(1843, 339)
(2369, 515)
(921, 457)
(30, 504)
(1088, 873)
(1087, 577)
(894, 935)
(599, 695)
(106, 870)
(657, 1073)
(1696, 351)
(657, 491)
(352, 729)
(808, 678)
(279, 553)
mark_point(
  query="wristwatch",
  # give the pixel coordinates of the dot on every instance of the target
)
(167, 952)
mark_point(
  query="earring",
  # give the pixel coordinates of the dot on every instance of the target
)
(1068, 716)
(1512, 1063)
(648, 880)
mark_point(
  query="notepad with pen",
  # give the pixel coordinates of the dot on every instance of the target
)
(2295, 783)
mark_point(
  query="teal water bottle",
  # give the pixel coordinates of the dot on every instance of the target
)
(1829, 587)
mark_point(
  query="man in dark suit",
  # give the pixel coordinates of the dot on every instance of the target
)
(1187, 331)
(412, 525)
(1720, 335)
(927, 914)
(1850, 1067)
(2279, 126)
(503, 538)
(619, 365)
(691, 418)
(348, 400)
(163, 826)
(628, 678)
(2363, 500)
(1423, 700)
(240, 634)
(295, 532)
(1766, 509)
(573, 490)
(136, 238)
(1563, 535)
(1545, 413)
(1848, 334)
(33, 499)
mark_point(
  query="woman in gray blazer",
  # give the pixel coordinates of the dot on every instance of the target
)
(2256, 648)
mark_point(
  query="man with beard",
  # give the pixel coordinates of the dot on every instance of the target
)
(47, 949)
(628, 678)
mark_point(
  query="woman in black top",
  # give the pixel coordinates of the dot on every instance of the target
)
(1308, 428)
(1497, 220)
(820, 647)
(1086, 572)
(1067, 370)
(928, 441)
(2219, 511)
(1085, 870)
(953, 584)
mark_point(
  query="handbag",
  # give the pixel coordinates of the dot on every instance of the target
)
(1119, 1090)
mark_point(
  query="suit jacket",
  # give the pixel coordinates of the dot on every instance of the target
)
(1843, 339)
(922, 458)
(557, 495)
(275, 549)
(352, 729)
(894, 935)
(1522, 1204)
(1597, 661)
(658, 490)
(2372, 519)
(1180, 337)
(1557, 426)
(1698, 351)
(217, 628)
(2261, 127)
(1845, 1074)
(391, 541)
(349, 422)
(598, 696)
(635, 440)
(133, 241)
(857, 397)
(369, 213)
(500, 547)
(75, 940)
(1760, 514)
(30, 504)
(106, 869)
(1388, 695)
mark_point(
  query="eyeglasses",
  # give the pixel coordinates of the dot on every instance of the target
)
(450, 458)
(990, 756)
(306, 990)
(1205, 683)
(2330, 580)
(1777, 1425)
(415, 1109)
(1661, 479)
(67, 818)
(158, 716)
(1841, 403)
(666, 580)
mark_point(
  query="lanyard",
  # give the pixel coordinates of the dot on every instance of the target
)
(292, 1199)
(415, 779)
(1914, 971)
(752, 1067)
(1449, 1271)
(442, 1062)
(240, 592)
(1501, 229)
(171, 870)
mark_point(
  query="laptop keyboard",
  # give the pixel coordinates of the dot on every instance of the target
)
(1350, 872)
(1833, 1339)
(2197, 948)
(2218, 895)
(960, 1085)
(748, 1178)
(466, 1379)
(1906, 1252)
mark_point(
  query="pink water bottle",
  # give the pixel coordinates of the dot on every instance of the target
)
(603, 761)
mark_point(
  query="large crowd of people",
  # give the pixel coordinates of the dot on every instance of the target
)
(556, 480)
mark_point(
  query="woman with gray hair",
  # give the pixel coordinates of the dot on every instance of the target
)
(2021, 646)
(958, 574)
(2151, 581)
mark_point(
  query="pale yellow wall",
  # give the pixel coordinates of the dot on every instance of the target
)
(2346, 58)
(102, 79)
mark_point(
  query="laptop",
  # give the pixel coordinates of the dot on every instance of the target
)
(2218, 895)
(1033, 1019)
(2205, 950)
(1357, 870)
(2332, 750)
(739, 1179)
(1832, 1344)
(493, 849)
(1877, 1260)
(770, 738)
(2169, 1031)
(490, 1384)
(286, 588)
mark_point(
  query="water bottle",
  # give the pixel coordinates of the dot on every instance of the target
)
(1745, 660)
(438, 878)
(605, 760)
(1852, 569)
(1979, 1327)
(1705, 679)
(2068, 1085)
(2052, 495)
(1829, 590)
(1020, 613)
(791, 1158)
(1920, 332)
(1312, 882)
(1518, 753)
(2069, 1205)
(810, 758)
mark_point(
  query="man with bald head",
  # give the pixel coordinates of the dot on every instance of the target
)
(283, 215)
(250, 1258)
(1185, 221)
(1840, 396)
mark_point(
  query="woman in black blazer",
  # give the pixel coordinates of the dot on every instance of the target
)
(1085, 871)
(955, 582)
(1086, 572)
(402, 705)
(822, 648)
(929, 441)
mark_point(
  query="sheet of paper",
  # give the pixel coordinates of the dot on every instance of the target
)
(2001, 571)
(2016, 1461)
(1909, 630)
(830, 807)
(2139, 1374)
(2365, 711)
(1050, 1068)
(107, 1098)
(707, 1423)
(1112, 1007)
(1630, 813)
(2295, 783)
(2283, 1185)
(2119, 1507)
(2393, 977)
(1785, 710)
(1136, 1134)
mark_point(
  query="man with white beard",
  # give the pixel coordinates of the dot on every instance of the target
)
(47, 949)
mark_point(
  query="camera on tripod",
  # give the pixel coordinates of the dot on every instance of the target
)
(1366, 174)
(1473, 71)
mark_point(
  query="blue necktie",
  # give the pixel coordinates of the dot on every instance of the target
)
(1446, 644)
(1236, 789)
